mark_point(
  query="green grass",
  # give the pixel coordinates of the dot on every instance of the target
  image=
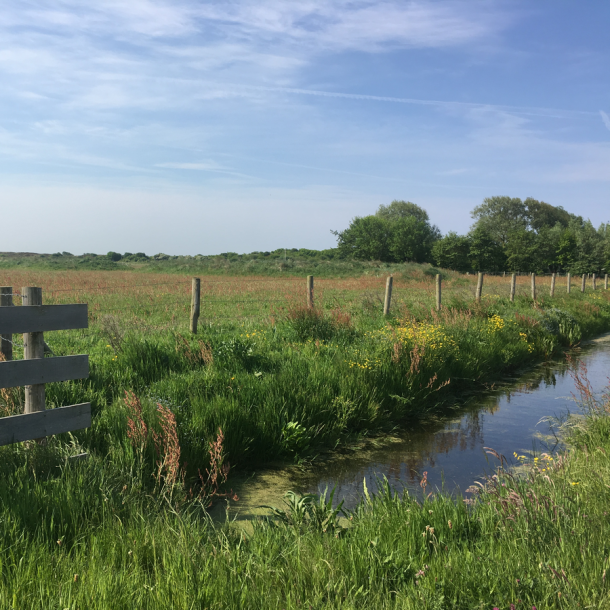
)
(324, 263)
(84, 535)
(285, 390)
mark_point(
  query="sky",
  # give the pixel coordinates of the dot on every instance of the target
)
(190, 127)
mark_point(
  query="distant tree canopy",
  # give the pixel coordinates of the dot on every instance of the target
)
(398, 232)
(503, 217)
(402, 209)
(508, 234)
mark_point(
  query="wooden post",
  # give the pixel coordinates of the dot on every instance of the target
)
(33, 348)
(479, 291)
(569, 285)
(606, 282)
(594, 283)
(195, 303)
(310, 291)
(6, 341)
(533, 286)
(513, 286)
(553, 278)
(388, 295)
(438, 292)
(584, 280)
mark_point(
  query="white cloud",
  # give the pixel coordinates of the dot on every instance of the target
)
(605, 119)
(359, 24)
(206, 166)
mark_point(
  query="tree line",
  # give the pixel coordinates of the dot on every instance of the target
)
(508, 234)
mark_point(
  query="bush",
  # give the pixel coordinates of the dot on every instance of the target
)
(563, 325)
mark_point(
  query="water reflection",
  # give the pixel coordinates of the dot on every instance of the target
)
(450, 450)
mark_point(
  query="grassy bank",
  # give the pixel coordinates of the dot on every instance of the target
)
(296, 381)
(82, 535)
(130, 522)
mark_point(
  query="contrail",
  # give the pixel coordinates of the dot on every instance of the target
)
(420, 102)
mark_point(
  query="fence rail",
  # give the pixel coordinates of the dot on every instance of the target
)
(34, 371)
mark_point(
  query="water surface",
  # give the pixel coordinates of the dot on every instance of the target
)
(450, 450)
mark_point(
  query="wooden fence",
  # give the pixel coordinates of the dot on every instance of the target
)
(33, 319)
(196, 294)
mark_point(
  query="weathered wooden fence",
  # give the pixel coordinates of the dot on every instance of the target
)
(478, 294)
(33, 319)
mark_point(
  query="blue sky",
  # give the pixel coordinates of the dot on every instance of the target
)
(202, 127)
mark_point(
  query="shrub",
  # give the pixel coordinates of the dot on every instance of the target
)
(563, 325)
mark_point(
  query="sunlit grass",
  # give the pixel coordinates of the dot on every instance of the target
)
(118, 531)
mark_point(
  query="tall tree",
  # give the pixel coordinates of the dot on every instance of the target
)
(589, 248)
(486, 254)
(520, 249)
(566, 250)
(452, 252)
(367, 238)
(398, 232)
(500, 216)
(402, 209)
(412, 240)
(541, 215)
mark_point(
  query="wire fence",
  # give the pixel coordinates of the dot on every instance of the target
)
(167, 304)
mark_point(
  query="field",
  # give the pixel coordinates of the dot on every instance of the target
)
(265, 380)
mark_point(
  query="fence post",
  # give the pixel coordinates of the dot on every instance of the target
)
(584, 279)
(310, 291)
(6, 341)
(553, 278)
(388, 295)
(606, 282)
(569, 283)
(594, 282)
(438, 292)
(195, 303)
(478, 293)
(533, 286)
(513, 285)
(33, 347)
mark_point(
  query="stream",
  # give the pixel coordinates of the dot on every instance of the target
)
(450, 449)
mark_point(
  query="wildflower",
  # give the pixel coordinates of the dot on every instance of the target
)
(450, 524)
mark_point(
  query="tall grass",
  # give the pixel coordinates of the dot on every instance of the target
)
(83, 535)
(128, 527)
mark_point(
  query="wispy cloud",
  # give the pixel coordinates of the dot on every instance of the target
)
(449, 104)
(605, 119)
(206, 166)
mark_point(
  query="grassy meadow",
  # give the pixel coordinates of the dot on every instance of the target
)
(268, 380)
